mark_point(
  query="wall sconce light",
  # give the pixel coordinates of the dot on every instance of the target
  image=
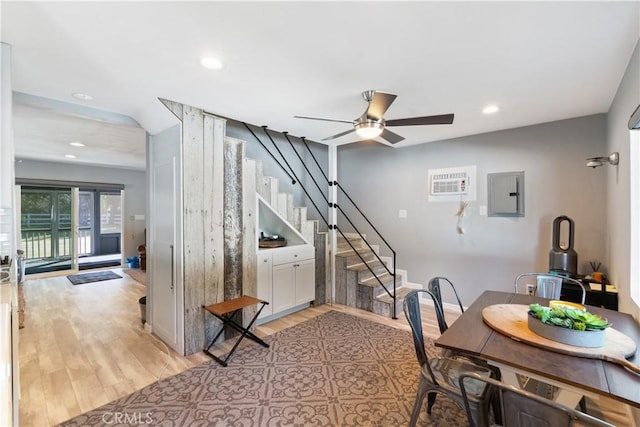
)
(612, 159)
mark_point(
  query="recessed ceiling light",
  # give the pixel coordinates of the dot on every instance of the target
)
(490, 109)
(211, 63)
(76, 144)
(82, 96)
(70, 156)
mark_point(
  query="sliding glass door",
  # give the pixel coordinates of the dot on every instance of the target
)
(47, 224)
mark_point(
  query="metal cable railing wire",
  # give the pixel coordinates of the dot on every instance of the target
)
(296, 178)
(334, 205)
(269, 152)
(293, 176)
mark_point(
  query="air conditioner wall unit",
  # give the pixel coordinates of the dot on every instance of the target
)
(449, 183)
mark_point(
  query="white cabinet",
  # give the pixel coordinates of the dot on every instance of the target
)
(286, 278)
(265, 283)
(305, 272)
(284, 287)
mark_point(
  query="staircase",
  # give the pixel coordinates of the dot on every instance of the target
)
(296, 218)
(282, 203)
(357, 286)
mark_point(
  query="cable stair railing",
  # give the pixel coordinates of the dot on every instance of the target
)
(295, 180)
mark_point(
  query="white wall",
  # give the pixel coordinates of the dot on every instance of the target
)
(626, 100)
(134, 191)
(493, 251)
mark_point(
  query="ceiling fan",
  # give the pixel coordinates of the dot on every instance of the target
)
(372, 123)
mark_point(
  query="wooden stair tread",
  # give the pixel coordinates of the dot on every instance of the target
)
(363, 266)
(385, 278)
(351, 252)
(400, 293)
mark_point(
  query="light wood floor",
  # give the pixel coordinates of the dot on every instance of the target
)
(84, 346)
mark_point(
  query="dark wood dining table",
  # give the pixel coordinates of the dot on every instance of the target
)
(577, 376)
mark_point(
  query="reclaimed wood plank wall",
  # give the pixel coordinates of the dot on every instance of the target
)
(249, 234)
(193, 229)
(233, 159)
(214, 135)
(219, 223)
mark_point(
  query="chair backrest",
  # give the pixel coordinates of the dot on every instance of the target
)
(522, 408)
(412, 312)
(434, 288)
(547, 285)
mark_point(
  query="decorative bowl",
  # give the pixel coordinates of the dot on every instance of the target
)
(589, 338)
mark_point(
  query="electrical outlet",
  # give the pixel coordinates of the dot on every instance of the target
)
(530, 289)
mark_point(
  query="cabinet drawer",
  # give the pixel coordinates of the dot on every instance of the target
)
(292, 254)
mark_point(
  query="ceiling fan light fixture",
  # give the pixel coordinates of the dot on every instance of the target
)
(369, 130)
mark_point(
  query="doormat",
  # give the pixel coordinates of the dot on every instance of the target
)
(80, 279)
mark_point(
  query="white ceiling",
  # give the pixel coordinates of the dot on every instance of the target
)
(538, 61)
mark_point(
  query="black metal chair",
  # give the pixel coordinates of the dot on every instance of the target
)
(440, 374)
(548, 285)
(521, 408)
(434, 288)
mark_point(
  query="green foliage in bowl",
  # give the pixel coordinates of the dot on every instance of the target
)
(569, 318)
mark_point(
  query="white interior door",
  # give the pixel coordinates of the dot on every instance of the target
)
(164, 258)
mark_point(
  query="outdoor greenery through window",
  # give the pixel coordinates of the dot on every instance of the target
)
(46, 223)
(110, 213)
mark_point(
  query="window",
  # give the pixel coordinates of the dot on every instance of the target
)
(110, 213)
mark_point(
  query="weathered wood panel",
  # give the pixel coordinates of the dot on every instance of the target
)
(323, 284)
(260, 185)
(174, 107)
(249, 235)
(282, 203)
(233, 156)
(271, 189)
(233, 160)
(193, 227)
(213, 251)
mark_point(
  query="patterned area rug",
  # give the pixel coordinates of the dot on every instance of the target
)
(98, 276)
(333, 370)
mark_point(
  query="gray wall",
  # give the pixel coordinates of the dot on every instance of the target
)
(626, 100)
(134, 191)
(493, 251)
